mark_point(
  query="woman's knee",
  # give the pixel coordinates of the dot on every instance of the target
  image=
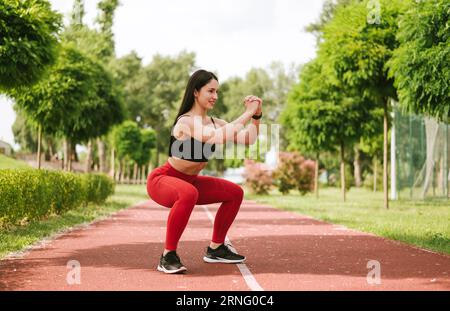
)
(236, 192)
(188, 194)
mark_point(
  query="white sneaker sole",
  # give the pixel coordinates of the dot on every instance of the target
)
(221, 260)
(162, 269)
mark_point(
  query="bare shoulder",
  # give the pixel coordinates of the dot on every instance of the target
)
(183, 125)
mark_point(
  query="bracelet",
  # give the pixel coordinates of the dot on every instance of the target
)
(255, 117)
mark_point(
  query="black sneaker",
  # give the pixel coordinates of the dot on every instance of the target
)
(171, 263)
(222, 254)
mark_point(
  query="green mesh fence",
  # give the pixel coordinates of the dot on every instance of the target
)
(422, 157)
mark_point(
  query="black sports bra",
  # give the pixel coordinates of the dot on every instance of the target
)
(191, 149)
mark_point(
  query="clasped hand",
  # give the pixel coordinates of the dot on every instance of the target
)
(254, 104)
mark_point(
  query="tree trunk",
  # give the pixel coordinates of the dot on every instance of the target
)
(65, 154)
(74, 152)
(39, 147)
(87, 168)
(112, 171)
(101, 155)
(69, 160)
(50, 148)
(143, 177)
(316, 177)
(343, 171)
(138, 175)
(129, 177)
(135, 173)
(375, 173)
(385, 155)
(357, 166)
(120, 174)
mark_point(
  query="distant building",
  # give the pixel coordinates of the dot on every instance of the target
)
(5, 148)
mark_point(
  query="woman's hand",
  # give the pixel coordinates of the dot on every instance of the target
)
(252, 99)
(251, 103)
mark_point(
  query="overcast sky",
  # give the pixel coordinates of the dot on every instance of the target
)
(228, 36)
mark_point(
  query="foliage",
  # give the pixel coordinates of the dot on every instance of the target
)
(77, 99)
(258, 178)
(420, 65)
(148, 142)
(357, 51)
(28, 41)
(128, 140)
(33, 194)
(294, 172)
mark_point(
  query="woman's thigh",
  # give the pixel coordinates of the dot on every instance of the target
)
(166, 190)
(215, 190)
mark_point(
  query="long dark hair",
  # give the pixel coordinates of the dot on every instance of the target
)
(197, 80)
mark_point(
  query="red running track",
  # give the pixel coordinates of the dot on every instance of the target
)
(285, 251)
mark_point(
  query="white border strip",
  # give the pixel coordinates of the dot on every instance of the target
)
(245, 271)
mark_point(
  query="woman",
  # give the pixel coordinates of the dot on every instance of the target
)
(176, 184)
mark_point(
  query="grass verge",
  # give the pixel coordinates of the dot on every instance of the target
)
(421, 223)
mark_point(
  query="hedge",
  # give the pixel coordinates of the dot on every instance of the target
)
(34, 194)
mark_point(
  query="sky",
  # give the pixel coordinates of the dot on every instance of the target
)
(228, 37)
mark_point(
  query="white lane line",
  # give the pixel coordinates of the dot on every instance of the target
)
(245, 271)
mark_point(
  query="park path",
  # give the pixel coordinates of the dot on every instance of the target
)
(285, 251)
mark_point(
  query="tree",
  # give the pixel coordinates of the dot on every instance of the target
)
(97, 44)
(420, 65)
(28, 41)
(162, 85)
(26, 133)
(127, 71)
(128, 144)
(321, 115)
(76, 100)
(148, 138)
(106, 20)
(357, 49)
(328, 9)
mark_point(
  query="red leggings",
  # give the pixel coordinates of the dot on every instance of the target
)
(180, 192)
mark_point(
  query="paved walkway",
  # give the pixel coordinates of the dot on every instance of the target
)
(285, 251)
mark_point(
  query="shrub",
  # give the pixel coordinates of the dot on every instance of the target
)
(258, 177)
(294, 172)
(98, 187)
(33, 194)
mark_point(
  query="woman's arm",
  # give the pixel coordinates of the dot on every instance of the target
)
(193, 127)
(248, 135)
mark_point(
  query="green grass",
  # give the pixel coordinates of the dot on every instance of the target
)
(422, 223)
(17, 238)
(7, 162)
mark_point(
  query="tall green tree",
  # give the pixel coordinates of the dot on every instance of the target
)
(28, 41)
(148, 142)
(128, 144)
(161, 87)
(420, 65)
(357, 45)
(328, 9)
(105, 19)
(127, 71)
(76, 100)
(322, 116)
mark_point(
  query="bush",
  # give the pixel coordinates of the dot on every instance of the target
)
(294, 172)
(33, 194)
(258, 177)
(98, 187)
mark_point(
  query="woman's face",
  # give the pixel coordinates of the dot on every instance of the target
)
(207, 96)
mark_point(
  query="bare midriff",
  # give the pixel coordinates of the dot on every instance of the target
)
(186, 167)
